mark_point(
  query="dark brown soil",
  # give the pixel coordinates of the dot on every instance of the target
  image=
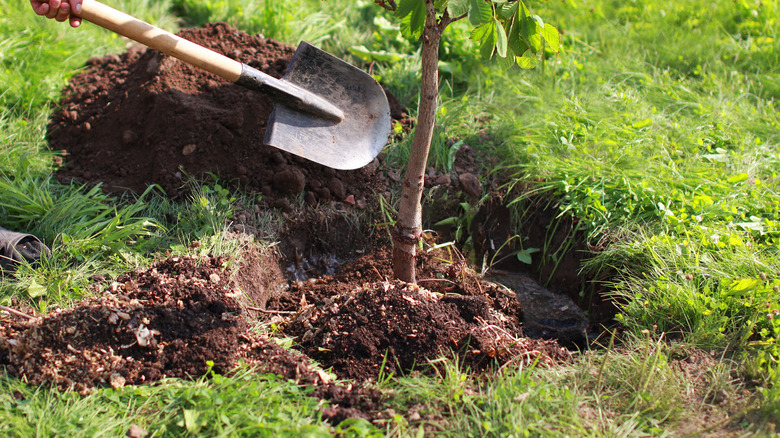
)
(170, 320)
(179, 318)
(143, 118)
(184, 316)
(359, 322)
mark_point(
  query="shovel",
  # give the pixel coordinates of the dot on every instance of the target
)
(325, 110)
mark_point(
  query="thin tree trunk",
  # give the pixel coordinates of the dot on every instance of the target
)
(408, 229)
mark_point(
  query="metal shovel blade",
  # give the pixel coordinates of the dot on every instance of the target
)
(349, 144)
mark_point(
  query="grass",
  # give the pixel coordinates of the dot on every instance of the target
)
(245, 404)
(657, 127)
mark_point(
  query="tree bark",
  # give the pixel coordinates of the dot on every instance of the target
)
(408, 229)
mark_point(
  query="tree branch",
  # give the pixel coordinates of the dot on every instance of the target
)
(387, 4)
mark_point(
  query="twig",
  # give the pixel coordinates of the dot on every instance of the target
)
(16, 312)
(381, 277)
(387, 4)
(437, 279)
(272, 312)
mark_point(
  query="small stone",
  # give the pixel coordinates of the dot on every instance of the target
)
(214, 278)
(116, 380)
(188, 149)
(136, 431)
(372, 166)
(70, 330)
(143, 335)
(350, 200)
(124, 316)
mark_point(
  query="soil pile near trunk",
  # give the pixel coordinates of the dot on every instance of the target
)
(143, 118)
(360, 323)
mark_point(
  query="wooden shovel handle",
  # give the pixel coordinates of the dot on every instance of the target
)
(158, 39)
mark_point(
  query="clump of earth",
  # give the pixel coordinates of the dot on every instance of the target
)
(143, 118)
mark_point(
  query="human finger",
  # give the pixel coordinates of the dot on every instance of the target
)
(40, 7)
(63, 12)
(54, 8)
(75, 6)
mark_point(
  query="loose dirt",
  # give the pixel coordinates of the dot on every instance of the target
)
(143, 118)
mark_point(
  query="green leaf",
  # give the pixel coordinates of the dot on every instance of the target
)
(445, 67)
(527, 61)
(550, 34)
(35, 290)
(538, 20)
(458, 7)
(413, 23)
(418, 19)
(482, 33)
(737, 178)
(481, 12)
(488, 46)
(642, 123)
(533, 34)
(450, 221)
(507, 10)
(501, 40)
(525, 255)
(517, 44)
(405, 7)
(744, 284)
(192, 420)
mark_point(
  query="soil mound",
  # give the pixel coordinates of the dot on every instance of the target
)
(361, 324)
(143, 118)
(174, 319)
(395, 327)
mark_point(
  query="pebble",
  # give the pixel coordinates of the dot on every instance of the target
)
(135, 431)
(188, 149)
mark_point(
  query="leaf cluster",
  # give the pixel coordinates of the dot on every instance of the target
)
(502, 29)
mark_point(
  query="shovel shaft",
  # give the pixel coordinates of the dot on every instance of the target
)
(158, 39)
(209, 60)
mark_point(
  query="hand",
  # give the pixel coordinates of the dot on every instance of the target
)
(58, 9)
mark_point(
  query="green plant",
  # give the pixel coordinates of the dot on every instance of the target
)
(506, 30)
